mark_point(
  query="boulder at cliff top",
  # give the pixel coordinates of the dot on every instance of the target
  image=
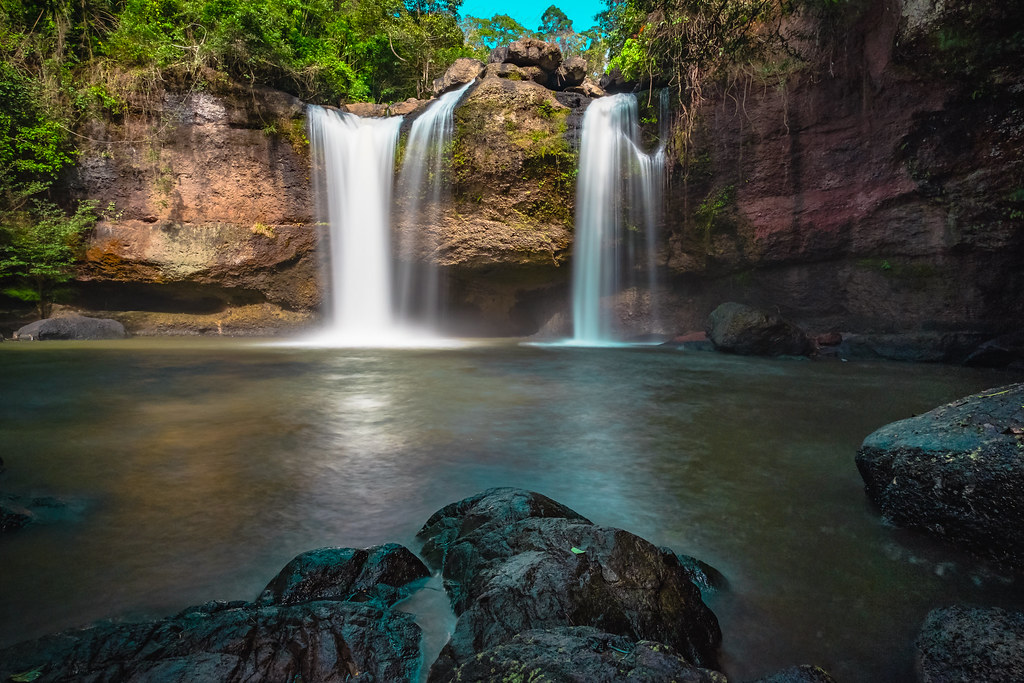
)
(515, 561)
(588, 87)
(533, 52)
(971, 644)
(71, 327)
(462, 71)
(516, 73)
(736, 328)
(957, 472)
(570, 73)
(321, 640)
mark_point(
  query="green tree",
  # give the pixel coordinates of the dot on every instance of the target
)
(554, 23)
(556, 27)
(40, 252)
(483, 35)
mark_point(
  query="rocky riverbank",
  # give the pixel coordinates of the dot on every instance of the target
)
(539, 592)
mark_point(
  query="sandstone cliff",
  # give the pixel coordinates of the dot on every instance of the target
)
(208, 208)
(877, 188)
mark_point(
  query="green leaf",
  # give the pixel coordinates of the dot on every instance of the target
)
(577, 550)
(27, 676)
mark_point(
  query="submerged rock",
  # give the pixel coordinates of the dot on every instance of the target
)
(71, 327)
(515, 561)
(740, 329)
(13, 515)
(975, 644)
(17, 512)
(916, 347)
(999, 352)
(332, 639)
(582, 653)
(956, 472)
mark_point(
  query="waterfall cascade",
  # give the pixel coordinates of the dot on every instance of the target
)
(372, 300)
(422, 186)
(618, 206)
(355, 158)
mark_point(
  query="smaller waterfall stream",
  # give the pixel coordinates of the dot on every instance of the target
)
(421, 191)
(355, 160)
(618, 204)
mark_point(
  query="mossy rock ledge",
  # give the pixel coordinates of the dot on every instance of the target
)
(957, 473)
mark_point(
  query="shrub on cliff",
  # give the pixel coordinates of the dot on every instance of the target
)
(316, 49)
(39, 251)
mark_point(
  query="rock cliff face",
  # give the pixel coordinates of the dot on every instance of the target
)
(207, 207)
(878, 189)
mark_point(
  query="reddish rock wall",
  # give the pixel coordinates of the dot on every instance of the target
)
(873, 191)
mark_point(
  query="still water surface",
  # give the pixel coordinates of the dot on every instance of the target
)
(204, 466)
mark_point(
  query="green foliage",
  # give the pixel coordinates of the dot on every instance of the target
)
(713, 207)
(686, 40)
(318, 49)
(483, 35)
(40, 248)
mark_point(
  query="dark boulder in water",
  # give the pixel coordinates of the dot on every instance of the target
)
(13, 514)
(381, 574)
(515, 561)
(975, 644)
(740, 329)
(956, 472)
(805, 673)
(71, 327)
(582, 653)
(17, 512)
(1000, 352)
(320, 640)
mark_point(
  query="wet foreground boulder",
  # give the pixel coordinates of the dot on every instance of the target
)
(327, 617)
(516, 563)
(582, 653)
(956, 472)
(971, 644)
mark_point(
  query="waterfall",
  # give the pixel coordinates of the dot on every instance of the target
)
(618, 204)
(354, 159)
(421, 186)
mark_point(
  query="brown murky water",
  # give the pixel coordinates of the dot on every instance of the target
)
(204, 466)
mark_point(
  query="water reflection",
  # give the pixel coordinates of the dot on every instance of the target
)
(207, 466)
